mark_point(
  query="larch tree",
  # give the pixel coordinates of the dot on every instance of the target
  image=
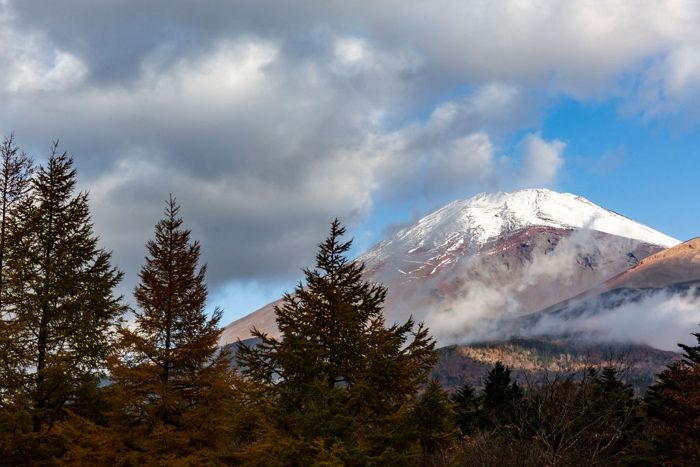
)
(59, 288)
(15, 181)
(170, 381)
(339, 385)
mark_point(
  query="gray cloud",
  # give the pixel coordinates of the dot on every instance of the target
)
(266, 122)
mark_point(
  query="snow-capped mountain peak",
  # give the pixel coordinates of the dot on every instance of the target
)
(477, 220)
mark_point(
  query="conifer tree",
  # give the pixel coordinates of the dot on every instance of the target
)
(342, 386)
(500, 394)
(673, 409)
(59, 289)
(691, 353)
(170, 381)
(434, 419)
(15, 181)
(466, 406)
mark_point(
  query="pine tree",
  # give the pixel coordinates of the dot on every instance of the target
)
(466, 406)
(59, 289)
(342, 386)
(673, 409)
(170, 382)
(691, 353)
(434, 419)
(500, 394)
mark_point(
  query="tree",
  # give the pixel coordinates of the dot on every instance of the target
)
(59, 289)
(571, 418)
(15, 181)
(466, 408)
(170, 381)
(434, 419)
(691, 353)
(500, 395)
(341, 386)
(673, 409)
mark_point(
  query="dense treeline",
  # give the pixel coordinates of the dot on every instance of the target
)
(86, 381)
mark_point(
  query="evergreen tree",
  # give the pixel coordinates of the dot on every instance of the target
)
(171, 383)
(499, 396)
(466, 406)
(59, 287)
(691, 353)
(434, 419)
(15, 181)
(673, 409)
(342, 387)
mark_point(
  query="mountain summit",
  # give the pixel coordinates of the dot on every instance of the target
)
(475, 221)
(494, 255)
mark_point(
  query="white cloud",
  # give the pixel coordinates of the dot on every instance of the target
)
(31, 64)
(661, 320)
(542, 161)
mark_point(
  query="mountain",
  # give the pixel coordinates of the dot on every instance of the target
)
(503, 254)
(672, 273)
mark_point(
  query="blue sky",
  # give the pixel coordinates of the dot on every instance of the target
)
(645, 169)
(268, 120)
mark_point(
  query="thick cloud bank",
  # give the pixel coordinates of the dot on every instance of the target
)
(268, 120)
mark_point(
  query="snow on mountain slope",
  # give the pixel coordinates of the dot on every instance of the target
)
(472, 222)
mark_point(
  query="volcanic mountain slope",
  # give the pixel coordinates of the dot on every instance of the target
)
(657, 280)
(493, 255)
(672, 266)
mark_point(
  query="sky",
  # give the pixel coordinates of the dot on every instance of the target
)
(268, 119)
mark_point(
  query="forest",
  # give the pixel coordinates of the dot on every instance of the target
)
(87, 380)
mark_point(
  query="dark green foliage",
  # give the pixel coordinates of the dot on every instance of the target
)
(466, 407)
(589, 420)
(15, 181)
(500, 395)
(59, 290)
(342, 386)
(691, 353)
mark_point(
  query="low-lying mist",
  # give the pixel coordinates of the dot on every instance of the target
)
(487, 310)
(661, 319)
